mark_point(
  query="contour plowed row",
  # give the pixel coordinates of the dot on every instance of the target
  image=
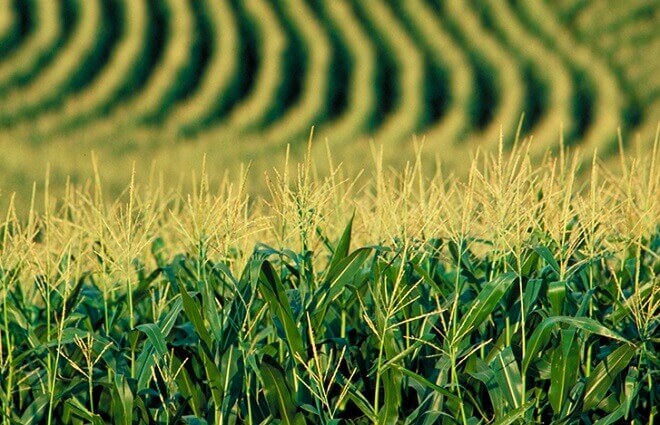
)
(246, 77)
(36, 47)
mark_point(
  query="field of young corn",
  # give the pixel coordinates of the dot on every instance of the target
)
(527, 292)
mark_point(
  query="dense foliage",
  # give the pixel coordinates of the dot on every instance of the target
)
(512, 298)
(378, 334)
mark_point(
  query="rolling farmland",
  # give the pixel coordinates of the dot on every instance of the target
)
(239, 80)
(507, 271)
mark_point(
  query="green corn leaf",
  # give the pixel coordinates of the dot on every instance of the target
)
(342, 274)
(146, 360)
(514, 416)
(507, 375)
(631, 388)
(482, 306)
(272, 290)
(565, 364)
(427, 383)
(344, 271)
(545, 253)
(542, 333)
(343, 246)
(601, 378)
(556, 296)
(358, 399)
(155, 337)
(82, 412)
(34, 412)
(277, 391)
(192, 311)
(214, 378)
(531, 294)
(122, 400)
(479, 370)
(190, 390)
(612, 418)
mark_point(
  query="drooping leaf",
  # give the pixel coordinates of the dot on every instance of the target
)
(507, 374)
(277, 391)
(601, 378)
(484, 304)
(545, 253)
(273, 292)
(155, 337)
(542, 333)
(565, 361)
(556, 296)
(122, 400)
(35, 410)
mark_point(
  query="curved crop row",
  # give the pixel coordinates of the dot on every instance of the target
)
(500, 66)
(609, 99)
(36, 47)
(568, 9)
(642, 32)
(218, 76)
(355, 118)
(602, 17)
(112, 79)
(7, 20)
(546, 64)
(445, 53)
(310, 107)
(406, 116)
(48, 86)
(128, 76)
(160, 88)
(253, 110)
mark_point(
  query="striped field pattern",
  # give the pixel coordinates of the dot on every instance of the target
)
(238, 80)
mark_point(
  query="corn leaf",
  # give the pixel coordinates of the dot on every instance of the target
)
(601, 378)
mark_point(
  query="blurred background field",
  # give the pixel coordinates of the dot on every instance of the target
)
(168, 81)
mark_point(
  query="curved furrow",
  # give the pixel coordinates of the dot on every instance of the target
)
(219, 74)
(442, 136)
(50, 85)
(557, 93)
(636, 54)
(649, 82)
(354, 120)
(251, 112)
(634, 35)
(606, 110)
(641, 137)
(37, 47)
(507, 76)
(103, 90)
(157, 94)
(603, 17)
(310, 108)
(15, 25)
(406, 116)
(8, 22)
(569, 9)
(648, 128)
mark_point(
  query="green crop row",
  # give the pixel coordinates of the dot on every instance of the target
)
(37, 46)
(361, 96)
(55, 79)
(104, 90)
